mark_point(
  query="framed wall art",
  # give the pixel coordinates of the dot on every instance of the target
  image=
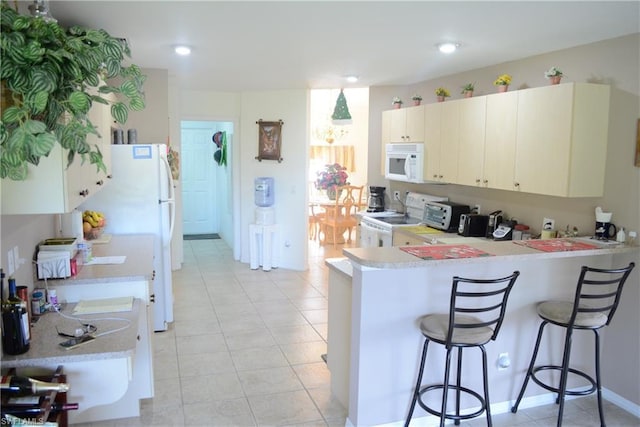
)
(269, 140)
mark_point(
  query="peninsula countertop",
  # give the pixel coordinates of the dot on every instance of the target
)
(394, 257)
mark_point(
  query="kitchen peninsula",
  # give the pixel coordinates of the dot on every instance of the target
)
(109, 375)
(376, 296)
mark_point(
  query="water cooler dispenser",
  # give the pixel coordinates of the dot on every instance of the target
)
(263, 233)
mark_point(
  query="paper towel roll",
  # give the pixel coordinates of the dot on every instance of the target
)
(72, 225)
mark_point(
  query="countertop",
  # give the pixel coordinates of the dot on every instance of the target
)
(138, 264)
(393, 257)
(45, 349)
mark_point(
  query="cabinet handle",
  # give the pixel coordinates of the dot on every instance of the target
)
(486, 181)
(152, 297)
(84, 193)
(516, 184)
(435, 175)
(477, 180)
(440, 176)
(109, 176)
(138, 337)
(101, 182)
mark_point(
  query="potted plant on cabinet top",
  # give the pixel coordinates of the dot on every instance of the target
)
(50, 77)
(503, 81)
(554, 74)
(397, 102)
(467, 90)
(416, 99)
(442, 93)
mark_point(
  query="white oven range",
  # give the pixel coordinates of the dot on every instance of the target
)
(376, 228)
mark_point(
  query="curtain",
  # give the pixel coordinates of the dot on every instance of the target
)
(328, 154)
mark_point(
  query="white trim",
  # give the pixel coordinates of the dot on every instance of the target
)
(526, 403)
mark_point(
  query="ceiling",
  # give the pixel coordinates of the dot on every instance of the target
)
(264, 45)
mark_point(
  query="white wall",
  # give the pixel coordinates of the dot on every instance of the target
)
(290, 176)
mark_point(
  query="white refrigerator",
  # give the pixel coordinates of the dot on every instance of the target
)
(139, 199)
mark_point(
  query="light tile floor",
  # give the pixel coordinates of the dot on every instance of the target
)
(245, 350)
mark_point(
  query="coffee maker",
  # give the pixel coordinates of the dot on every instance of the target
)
(376, 199)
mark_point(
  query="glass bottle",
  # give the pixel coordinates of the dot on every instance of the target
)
(15, 323)
(14, 385)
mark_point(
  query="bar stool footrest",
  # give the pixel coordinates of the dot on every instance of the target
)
(452, 387)
(557, 389)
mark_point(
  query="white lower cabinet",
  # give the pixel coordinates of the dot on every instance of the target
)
(140, 368)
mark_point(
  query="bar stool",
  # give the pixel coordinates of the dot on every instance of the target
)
(596, 300)
(476, 312)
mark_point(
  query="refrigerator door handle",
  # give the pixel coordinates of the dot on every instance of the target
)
(171, 201)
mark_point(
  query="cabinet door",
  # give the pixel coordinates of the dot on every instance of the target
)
(385, 138)
(397, 125)
(543, 140)
(100, 116)
(432, 119)
(414, 128)
(449, 141)
(472, 141)
(52, 187)
(500, 141)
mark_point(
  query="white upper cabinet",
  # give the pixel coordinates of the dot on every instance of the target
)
(472, 141)
(403, 125)
(561, 142)
(550, 140)
(500, 141)
(52, 187)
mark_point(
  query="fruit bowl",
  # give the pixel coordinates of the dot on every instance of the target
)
(94, 233)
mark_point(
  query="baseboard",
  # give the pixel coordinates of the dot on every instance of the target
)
(525, 403)
(621, 402)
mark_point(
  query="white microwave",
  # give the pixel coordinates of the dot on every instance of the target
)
(404, 162)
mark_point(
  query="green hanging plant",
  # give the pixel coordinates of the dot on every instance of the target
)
(51, 76)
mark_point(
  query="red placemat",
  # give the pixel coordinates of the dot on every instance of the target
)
(556, 245)
(444, 251)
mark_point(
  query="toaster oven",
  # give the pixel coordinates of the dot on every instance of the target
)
(444, 215)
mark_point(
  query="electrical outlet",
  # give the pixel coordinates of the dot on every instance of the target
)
(396, 195)
(548, 224)
(503, 361)
(476, 209)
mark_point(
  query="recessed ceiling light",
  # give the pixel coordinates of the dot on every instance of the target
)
(352, 79)
(183, 50)
(448, 47)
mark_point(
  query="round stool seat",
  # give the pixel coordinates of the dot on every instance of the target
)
(559, 313)
(436, 326)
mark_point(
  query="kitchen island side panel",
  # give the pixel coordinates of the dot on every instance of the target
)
(386, 341)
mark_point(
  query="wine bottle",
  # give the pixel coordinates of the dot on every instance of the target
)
(24, 386)
(37, 410)
(15, 323)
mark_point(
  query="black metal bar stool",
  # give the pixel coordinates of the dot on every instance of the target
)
(476, 312)
(595, 302)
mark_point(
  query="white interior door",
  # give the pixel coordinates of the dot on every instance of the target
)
(198, 180)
